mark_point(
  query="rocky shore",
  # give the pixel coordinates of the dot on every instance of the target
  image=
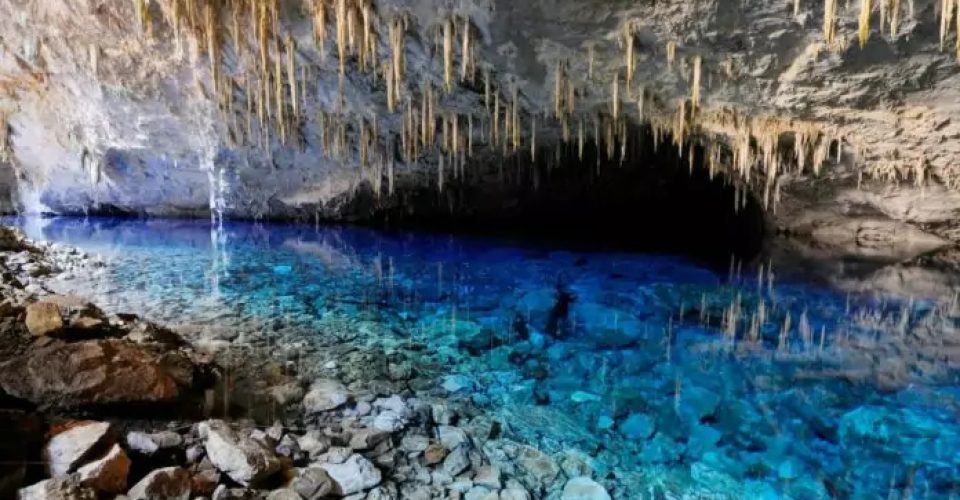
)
(112, 406)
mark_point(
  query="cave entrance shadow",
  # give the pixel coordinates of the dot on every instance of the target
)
(651, 202)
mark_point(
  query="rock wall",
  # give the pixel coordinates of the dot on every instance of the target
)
(113, 110)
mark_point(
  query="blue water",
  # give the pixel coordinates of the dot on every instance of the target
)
(663, 377)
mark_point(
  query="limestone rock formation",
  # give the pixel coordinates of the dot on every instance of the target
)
(310, 109)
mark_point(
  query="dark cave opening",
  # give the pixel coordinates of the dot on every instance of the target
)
(653, 201)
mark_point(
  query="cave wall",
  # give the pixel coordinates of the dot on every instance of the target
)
(106, 118)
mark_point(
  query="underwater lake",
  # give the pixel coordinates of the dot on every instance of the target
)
(675, 379)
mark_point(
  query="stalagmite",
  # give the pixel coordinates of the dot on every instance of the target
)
(863, 27)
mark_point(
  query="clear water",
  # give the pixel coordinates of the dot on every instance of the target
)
(627, 364)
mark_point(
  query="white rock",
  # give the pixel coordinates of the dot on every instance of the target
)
(488, 476)
(325, 395)
(456, 461)
(244, 460)
(583, 488)
(72, 448)
(170, 483)
(389, 421)
(353, 476)
(514, 494)
(480, 493)
(451, 437)
(108, 474)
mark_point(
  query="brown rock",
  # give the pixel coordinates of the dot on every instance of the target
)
(68, 488)
(43, 318)
(434, 454)
(108, 474)
(171, 483)
(88, 373)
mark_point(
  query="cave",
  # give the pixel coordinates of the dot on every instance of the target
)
(482, 250)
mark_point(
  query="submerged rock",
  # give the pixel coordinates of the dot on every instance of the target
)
(245, 460)
(325, 395)
(583, 488)
(356, 474)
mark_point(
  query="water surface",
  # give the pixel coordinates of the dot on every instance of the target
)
(661, 376)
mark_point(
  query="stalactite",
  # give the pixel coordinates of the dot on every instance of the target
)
(366, 54)
(210, 16)
(894, 18)
(142, 12)
(398, 29)
(615, 100)
(341, 14)
(448, 55)
(829, 20)
(515, 118)
(486, 89)
(630, 55)
(279, 93)
(641, 99)
(533, 139)
(695, 97)
(465, 51)
(580, 140)
(591, 56)
(671, 53)
(946, 15)
(319, 26)
(796, 8)
(863, 27)
(292, 75)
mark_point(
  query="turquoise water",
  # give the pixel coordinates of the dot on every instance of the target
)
(663, 377)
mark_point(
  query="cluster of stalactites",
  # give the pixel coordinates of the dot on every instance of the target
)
(950, 19)
(889, 10)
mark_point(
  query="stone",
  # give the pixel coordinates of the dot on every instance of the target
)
(107, 474)
(70, 449)
(148, 444)
(68, 488)
(312, 483)
(451, 437)
(488, 476)
(94, 372)
(514, 494)
(325, 395)
(353, 476)
(169, 483)
(481, 493)
(243, 459)
(538, 464)
(637, 426)
(414, 443)
(456, 461)
(313, 443)
(583, 488)
(365, 439)
(288, 447)
(457, 383)
(389, 421)
(204, 482)
(434, 454)
(284, 494)
(584, 397)
(43, 318)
